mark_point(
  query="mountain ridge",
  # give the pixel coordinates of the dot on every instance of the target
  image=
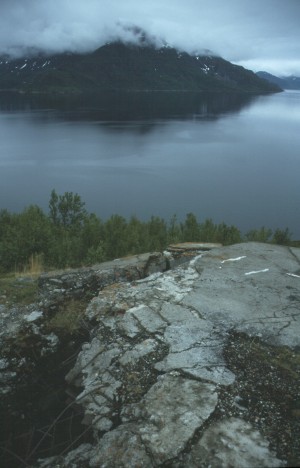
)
(289, 82)
(119, 66)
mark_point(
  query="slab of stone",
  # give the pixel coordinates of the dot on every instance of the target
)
(232, 443)
(196, 349)
(250, 287)
(129, 324)
(173, 409)
(173, 337)
(121, 447)
(139, 351)
(173, 313)
(202, 363)
(147, 318)
(93, 357)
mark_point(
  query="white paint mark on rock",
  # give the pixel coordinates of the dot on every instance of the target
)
(234, 259)
(255, 272)
(293, 275)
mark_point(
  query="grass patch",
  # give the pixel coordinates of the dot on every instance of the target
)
(68, 318)
(35, 265)
(21, 290)
(285, 360)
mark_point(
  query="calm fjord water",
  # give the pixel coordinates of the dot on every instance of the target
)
(230, 158)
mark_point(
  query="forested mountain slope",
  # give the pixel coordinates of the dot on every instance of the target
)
(117, 66)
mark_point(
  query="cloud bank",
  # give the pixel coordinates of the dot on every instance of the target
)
(258, 34)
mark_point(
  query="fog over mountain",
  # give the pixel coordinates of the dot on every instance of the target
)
(258, 34)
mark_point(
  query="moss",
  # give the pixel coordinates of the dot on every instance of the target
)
(267, 391)
(68, 320)
(284, 359)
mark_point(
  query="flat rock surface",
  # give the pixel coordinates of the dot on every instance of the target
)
(197, 366)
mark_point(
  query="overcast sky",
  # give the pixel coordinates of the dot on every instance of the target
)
(258, 34)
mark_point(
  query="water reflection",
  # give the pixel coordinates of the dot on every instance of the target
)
(233, 158)
(111, 107)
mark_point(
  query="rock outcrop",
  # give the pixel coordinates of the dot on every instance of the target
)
(195, 366)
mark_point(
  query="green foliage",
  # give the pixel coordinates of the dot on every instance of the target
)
(190, 228)
(115, 236)
(208, 231)
(192, 231)
(22, 236)
(259, 235)
(95, 254)
(69, 236)
(227, 235)
(174, 231)
(17, 290)
(136, 235)
(67, 210)
(157, 234)
(68, 319)
(282, 237)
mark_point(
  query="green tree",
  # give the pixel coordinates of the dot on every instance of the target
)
(53, 207)
(67, 210)
(228, 235)
(208, 231)
(157, 234)
(35, 232)
(22, 236)
(137, 236)
(68, 216)
(259, 235)
(190, 229)
(8, 240)
(282, 237)
(92, 240)
(115, 236)
(174, 231)
(95, 254)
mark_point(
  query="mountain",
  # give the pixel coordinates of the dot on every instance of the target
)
(290, 82)
(118, 66)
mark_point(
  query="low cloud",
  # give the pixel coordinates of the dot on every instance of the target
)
(257, 34)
